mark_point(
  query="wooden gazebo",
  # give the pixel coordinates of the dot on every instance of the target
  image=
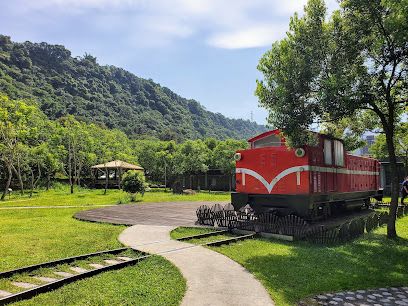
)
(110, 174)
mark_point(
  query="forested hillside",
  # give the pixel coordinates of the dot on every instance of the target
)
(35, 149)
(64, 85)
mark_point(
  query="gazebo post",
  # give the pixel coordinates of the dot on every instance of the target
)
(120, 176)
(106, 179)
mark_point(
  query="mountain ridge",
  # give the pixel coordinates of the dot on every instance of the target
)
(108, 95)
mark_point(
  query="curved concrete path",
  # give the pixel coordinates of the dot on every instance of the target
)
(212, 278)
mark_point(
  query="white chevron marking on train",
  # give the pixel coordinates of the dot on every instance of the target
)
(276, 179)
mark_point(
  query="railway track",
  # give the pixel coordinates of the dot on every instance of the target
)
(47, 276)
(235, 238)
(204, 235)
(51, 275)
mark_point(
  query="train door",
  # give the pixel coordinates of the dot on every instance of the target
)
(329, 171)
(317, 179)
(339, 162)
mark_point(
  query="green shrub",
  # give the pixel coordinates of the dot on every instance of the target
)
(134, 182)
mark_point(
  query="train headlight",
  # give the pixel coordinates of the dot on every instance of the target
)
(300, 152)
(237, 156)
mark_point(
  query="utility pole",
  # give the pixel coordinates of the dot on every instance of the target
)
(252, 116)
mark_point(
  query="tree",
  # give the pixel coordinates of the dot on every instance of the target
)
(20, 163)
(223, 156)
(349, 129)
(134, 182)
(79, 147)
(19, 126)
(354, 63)
(191, 157)
(52, 151)
(70, 137)
(379, 148)
(157, 158)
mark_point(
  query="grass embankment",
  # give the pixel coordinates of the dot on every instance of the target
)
(294, 271)
(34, 236)
(60, 196)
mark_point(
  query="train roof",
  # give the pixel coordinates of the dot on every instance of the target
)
(278, 132)
(264, 134)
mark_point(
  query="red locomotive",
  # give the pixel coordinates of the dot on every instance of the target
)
(311, 182)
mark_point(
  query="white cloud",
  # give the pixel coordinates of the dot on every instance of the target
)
(165, 26)
(227, 24)
(86, 4)
(256, 36)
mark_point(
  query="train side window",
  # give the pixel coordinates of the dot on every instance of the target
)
(268, 141)
(328, 158)
(338, 153)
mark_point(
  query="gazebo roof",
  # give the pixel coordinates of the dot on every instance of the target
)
(117, 164)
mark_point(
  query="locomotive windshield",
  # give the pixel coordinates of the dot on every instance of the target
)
(268, 141)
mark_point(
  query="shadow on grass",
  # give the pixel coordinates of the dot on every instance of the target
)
(304, 270)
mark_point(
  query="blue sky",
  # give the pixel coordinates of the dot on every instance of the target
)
(201, 49)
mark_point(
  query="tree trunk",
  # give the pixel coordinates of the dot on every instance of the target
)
(78, 174)
(48, 181)
(391, 230)
(71, 184)
(32, 183)
(74, 164)
(120, 178)
(19, 176)
(20, 179)
(10, 174)
(230, 182)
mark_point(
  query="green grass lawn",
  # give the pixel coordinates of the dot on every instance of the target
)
(34, 236)
(388, 200)
(294, 271)
(60, 196)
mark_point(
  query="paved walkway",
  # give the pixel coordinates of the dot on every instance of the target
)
(212, 279)
(164, 213)
(376, 297)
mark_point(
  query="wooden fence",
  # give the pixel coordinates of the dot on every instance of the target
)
(291, 225)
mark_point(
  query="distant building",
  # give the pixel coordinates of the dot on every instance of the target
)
(213, 179)
(385, 175)
(369, 139)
